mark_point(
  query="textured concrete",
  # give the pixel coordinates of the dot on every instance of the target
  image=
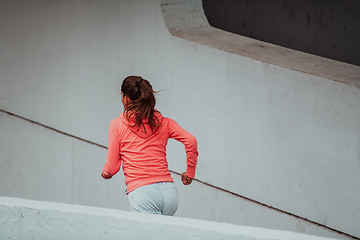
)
(192, 25)
(288, 151)
(71, 175)
(25, 219)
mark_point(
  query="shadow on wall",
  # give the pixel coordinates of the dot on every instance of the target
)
(323, 28)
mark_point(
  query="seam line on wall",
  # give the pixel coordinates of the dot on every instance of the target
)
(53, 129)
(197, 180)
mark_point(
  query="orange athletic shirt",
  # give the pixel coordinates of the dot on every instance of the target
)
(143, 153)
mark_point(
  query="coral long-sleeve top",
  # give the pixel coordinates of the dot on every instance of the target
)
(142, 152)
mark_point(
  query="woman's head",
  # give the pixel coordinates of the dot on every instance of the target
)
(135, 87)
(139, 101)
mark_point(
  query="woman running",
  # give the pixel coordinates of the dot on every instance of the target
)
(137, 140)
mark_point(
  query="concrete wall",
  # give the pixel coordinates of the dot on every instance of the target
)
(286, 140)
(324, 28)
(26, 219)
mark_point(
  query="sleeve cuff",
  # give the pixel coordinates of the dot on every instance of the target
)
(190, 172)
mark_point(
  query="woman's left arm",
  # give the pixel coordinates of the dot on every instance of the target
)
(113, 159)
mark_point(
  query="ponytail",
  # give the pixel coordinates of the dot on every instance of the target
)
(142, 102)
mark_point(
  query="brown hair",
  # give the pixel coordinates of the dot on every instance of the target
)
(142, 102)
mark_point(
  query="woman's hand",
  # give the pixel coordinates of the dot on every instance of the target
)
(105, 175)
(185, 179)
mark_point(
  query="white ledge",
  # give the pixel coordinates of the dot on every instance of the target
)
(47, 220)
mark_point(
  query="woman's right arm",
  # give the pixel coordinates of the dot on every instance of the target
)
(190, 143)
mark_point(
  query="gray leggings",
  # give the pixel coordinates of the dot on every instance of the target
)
(156, 198)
